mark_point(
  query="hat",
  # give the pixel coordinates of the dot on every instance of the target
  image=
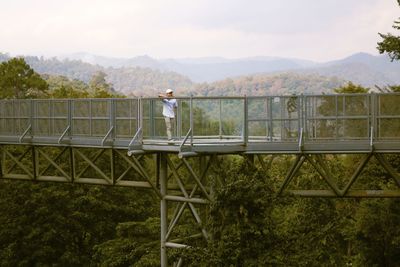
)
(168, 91)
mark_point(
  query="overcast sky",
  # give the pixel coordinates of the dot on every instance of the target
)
(318, 30)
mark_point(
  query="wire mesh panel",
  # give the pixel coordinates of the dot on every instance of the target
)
(259, 118)
(388, 116)
(183, 117)
(356, 116)
(338, 117)
(100, 117)
(286, 112)
(126, 117)
(206, 118)
(60, 116)
(91, 117)
(321, 117)
(218, 118)
(274, 118)
(153, 121)
(50, 117)
(232, 118)
(15, 116)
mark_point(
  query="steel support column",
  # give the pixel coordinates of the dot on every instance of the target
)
(163, 176)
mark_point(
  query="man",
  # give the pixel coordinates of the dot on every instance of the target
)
(169, 105)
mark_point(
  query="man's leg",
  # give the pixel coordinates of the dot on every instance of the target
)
(168, 123)
(172, 120)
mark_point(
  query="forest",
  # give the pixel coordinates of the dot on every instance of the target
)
(67, 224)
(50, 224)
(138, 81)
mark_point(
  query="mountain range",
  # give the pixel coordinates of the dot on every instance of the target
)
(361, 68)
(147, 76)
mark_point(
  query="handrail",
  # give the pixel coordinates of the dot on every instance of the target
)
(25, 133)
(186, 138)
(64, 133)
(107, 135)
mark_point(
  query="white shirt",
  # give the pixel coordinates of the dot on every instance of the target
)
(168, 107)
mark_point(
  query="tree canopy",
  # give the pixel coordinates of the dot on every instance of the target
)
(391, 43)
(19, 80)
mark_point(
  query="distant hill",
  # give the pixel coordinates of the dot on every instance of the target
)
(145, 76)
(360, 68)
(269, 84)
(128, 80)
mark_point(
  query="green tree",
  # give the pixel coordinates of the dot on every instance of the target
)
(99, 86)
(136, 244)
(59, 224)
(375, 233)
(19, 80)
(63, 87)
(391, 43)
(351, 88)
(240, 221)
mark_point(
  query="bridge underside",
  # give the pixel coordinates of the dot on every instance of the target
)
(119, 167)
(181, 179)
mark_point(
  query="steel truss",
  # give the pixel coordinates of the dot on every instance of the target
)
(184, 185)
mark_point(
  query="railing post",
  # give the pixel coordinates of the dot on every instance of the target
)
(70, 118)
(191, 119)
(271, 126)
(220, 119)
(152, 118)
(178, 122)
(31, 116)
(374, 112)
(90, 118)
(246, 121)
(302, 113)
(112, 118)
(139, 118)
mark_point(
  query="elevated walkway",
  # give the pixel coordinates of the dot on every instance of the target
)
(109, 141)
(345, 123)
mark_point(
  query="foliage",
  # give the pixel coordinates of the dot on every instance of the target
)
(133, 80)
(391, 43)
(62, 87)
(376, 234)
(136, 244)
(269, 84)
(239, 221)
(19, 80)
(351, 88)
(59, 224)
(311, 233)
(394, 88)
(99, 87)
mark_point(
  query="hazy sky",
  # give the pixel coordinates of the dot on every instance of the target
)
(318, 30)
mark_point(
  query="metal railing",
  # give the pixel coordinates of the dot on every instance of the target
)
(202, 120)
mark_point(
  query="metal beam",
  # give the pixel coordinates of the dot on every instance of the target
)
(349, 194)
(163, 207)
